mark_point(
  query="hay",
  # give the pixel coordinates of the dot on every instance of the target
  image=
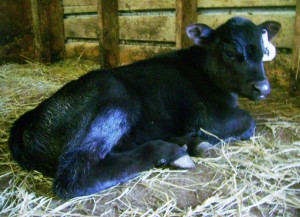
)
(259, 177)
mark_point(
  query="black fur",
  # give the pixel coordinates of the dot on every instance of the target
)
(109, 125)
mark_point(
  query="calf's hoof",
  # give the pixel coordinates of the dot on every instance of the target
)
(207, 150)
(170, 154)
(184, 162)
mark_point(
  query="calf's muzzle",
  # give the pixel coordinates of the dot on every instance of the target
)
(260, 89)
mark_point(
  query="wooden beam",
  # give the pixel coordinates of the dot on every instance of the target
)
(48, 29)
(133, 53)
(128, 53)
(248, 3)
(139, 28)
(57, 40)
(147, 28)
(79, 2)
(83, 50)
(79, 6)
(295, 72)
(132, 5)
(108, 33)
(40, 29)
(186, 13)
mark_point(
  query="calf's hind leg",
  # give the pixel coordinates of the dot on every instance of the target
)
(85, 173)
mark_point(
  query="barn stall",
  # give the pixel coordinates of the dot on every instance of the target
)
(52, 42)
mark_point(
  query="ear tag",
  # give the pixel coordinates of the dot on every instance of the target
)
(269, 49)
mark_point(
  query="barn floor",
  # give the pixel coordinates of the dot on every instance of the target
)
(259, 177)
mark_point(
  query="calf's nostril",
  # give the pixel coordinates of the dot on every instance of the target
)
(261, 87)
(255, 88)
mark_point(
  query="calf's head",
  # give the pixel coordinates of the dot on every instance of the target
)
(234, 55)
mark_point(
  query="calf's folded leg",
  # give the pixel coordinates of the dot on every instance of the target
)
(83, 173)
(234, 124)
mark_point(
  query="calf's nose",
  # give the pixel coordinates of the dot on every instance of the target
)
(261, 88)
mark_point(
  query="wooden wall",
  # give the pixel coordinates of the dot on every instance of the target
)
(16, 38)
(31, 30)
(147, 27)
(116, 32)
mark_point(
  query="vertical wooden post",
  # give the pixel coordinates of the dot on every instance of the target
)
(108, 33)
(48, 29)
(41, 30)
(295, 72)
(186, 13)
(56, 19)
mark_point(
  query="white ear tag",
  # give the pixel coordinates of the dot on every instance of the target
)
(269, 49)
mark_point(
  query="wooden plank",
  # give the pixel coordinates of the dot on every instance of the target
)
(108, 33)
(48, 30)
(133, 53)
(186, 13)
(83, 50)
(132, 5)
(295, 72)
(80, 9)
(128, 53)
(247, 3)
(143, 28)
(80, 6)
(79, 2)
(81, 27)
(147, 28)
(285, 37)
(89, 6)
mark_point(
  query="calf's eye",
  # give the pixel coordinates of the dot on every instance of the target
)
(229, 54)
(232, 56)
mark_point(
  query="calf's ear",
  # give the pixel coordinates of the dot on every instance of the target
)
(199, 33)
(272, 28)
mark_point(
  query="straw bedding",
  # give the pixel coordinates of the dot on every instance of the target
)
(259, 177)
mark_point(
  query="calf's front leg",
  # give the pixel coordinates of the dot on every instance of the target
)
(206, 133)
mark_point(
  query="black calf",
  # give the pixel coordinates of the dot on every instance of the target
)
(109, 125)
